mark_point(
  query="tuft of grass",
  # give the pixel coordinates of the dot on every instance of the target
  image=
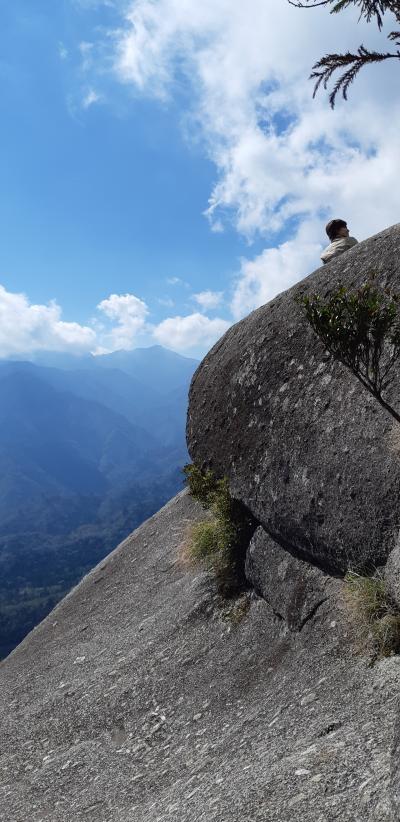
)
(374, 617)
(211, 542)
(220, 541)
(212, 538)
(204, 540)
(386, 633)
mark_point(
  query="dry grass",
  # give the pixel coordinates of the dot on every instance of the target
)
(373, 616)
(184, 557)
(207, 543)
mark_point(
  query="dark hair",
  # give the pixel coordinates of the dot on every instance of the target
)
(333, 227)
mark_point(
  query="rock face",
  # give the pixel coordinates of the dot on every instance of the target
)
(392, 575)
(294, 589)
(143, 698)
(306, 449)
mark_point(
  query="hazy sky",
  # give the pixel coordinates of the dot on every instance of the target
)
(164, 168)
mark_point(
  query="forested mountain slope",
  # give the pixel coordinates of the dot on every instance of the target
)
(87, 452)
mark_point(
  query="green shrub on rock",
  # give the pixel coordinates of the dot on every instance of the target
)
(222, 540)
(202, 485)
(204, 540)
(361, 329)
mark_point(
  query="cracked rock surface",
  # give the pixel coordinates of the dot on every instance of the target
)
(294, 589)
(141, 699)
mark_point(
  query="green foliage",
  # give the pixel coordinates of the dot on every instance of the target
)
(361, 329)
(351, 63)
(58, 543)
(374, 616)
(213, 494)
(205, 540)
(222, 540)
(202, 485)
(213, 541)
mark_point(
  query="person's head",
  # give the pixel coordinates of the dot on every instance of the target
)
(337, 228)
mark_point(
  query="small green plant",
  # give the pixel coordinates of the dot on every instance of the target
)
(361, 329)
(204, 540)
(213, 542)
(220, 541)
(374, 616)
(202, 485)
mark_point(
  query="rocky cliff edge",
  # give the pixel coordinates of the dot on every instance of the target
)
(144, 697)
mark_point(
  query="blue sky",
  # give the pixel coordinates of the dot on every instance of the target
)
(104, 199)
(123, 120)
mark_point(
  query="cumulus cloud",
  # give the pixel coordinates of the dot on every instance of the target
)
(26, 328)
(192, 331)
(128, 313)
(279, 153)
(121, 323)
(282, 158)
(271, 272)
(208, 299)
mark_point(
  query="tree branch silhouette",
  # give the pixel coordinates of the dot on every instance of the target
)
(352, 62)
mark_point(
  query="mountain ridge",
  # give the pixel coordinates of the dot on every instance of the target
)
(78, 473)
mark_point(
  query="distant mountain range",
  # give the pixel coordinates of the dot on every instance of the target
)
(89, 448)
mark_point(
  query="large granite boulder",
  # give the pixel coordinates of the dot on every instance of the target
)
(306, 448)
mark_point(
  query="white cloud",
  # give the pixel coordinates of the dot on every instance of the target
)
(273, 271)
(278, 152)
(175, 281)
(26, 328)
(129, 321)
(208, 299)
(193, 331)
(282, 158)
(90, 98)
(129, 313)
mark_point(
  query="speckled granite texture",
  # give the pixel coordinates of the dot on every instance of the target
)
(141, 699)
(306, 448)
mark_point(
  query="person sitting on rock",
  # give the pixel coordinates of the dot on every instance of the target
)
(341, 241)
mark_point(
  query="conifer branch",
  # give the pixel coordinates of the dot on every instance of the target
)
(324, 69)
(352, 63)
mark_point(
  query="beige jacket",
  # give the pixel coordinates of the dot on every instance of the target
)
(337, 247)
